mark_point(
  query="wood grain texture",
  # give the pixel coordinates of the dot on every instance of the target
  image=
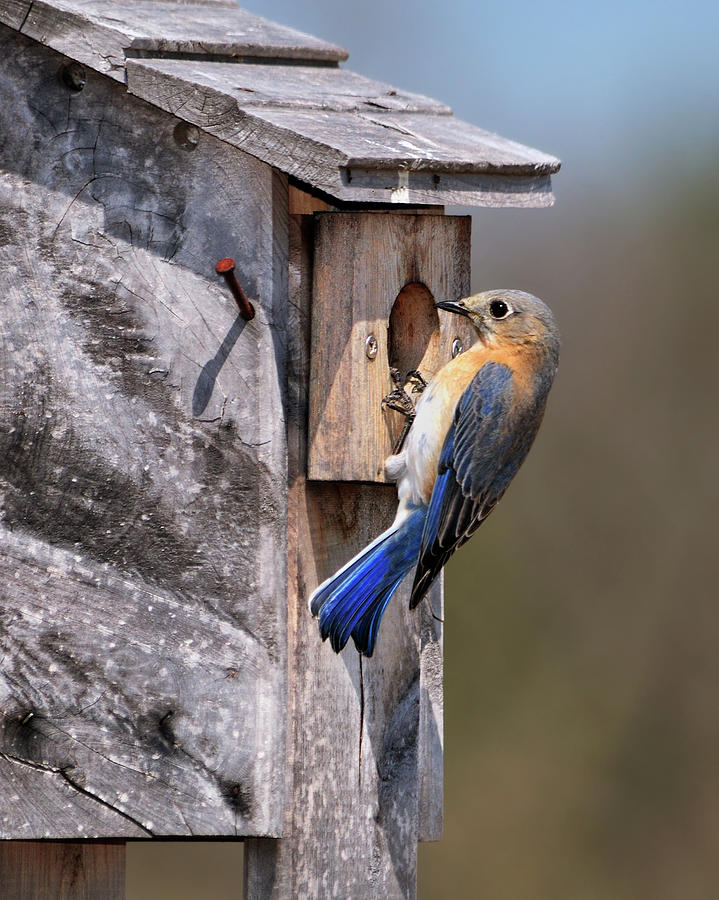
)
(362, 263)
(142, 470)
(348, 136)
(102, 33)
(34, 870)
(302, 203)
(294, 87)
(364, 776)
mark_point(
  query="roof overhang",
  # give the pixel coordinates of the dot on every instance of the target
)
(279, 95)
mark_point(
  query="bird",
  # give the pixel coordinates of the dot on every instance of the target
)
(472, 428)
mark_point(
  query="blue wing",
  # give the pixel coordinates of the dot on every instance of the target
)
(483, 450)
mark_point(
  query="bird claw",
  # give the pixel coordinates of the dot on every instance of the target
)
(400, 401)
(417, 381)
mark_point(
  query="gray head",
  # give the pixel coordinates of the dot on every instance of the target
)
(509, 317)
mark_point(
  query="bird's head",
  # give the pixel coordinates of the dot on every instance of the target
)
(508, 317)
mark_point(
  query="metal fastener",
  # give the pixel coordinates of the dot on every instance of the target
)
(226, 268)
(457, 347)
(370, 346)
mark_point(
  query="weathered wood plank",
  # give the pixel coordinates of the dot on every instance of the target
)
(400, 186)
(124, 692)
(357, 739)
(295, 87)
(384, 156)
(431, 715)
(362, 263)
(301, 203)
(32, 870)
(142, 469)
(101, 33)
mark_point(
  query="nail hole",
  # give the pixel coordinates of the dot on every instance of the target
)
(72, 76)
(186, 135)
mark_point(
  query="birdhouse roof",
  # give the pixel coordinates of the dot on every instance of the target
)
(280, 95)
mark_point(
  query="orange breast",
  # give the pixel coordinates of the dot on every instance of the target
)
(436, 410)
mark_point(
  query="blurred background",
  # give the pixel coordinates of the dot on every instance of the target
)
(582, 624)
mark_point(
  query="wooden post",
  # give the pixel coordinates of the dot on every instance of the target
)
(62, 870)
(364, 735)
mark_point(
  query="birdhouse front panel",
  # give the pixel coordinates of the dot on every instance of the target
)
(142, 467)
(376, 278)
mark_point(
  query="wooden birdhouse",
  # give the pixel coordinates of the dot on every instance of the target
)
(175, 478)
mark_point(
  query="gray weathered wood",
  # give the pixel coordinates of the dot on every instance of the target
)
(30, 870)
(371, 258)
(102, 33)
(142, 470)
(360, 731)
(430, 741)
(382, 156)
(290, 86)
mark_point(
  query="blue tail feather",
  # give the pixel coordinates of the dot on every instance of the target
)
(352, 602)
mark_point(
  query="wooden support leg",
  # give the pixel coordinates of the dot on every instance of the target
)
(62, 870)
(362, 733)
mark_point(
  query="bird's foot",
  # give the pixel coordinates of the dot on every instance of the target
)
(417, 381)
(400, 401)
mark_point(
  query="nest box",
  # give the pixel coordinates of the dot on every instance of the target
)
(175, 478)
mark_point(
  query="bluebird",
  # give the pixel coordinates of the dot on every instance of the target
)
(473, 427)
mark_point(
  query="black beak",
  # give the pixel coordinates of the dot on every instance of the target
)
(453, 306)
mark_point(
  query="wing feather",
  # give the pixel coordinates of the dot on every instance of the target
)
(486, 444)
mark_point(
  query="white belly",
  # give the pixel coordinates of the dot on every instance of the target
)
(415, 468)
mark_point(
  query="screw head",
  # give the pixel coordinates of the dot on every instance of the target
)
(457, 347)
(73, 76)
(370, 346)
(186, 135)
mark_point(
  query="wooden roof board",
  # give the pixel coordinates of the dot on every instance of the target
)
(101, 33)
(335, 142)
(295, 86)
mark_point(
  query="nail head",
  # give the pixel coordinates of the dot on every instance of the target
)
(370, 347)
(225, 265)
(457, 347)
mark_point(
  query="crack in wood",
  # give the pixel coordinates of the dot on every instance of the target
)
(29, 10)
(63, 773)
(104, 803)
(361, 722)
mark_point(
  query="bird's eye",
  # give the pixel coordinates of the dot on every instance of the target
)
(498, 309)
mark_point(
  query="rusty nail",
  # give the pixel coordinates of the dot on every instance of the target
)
(226, 268)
